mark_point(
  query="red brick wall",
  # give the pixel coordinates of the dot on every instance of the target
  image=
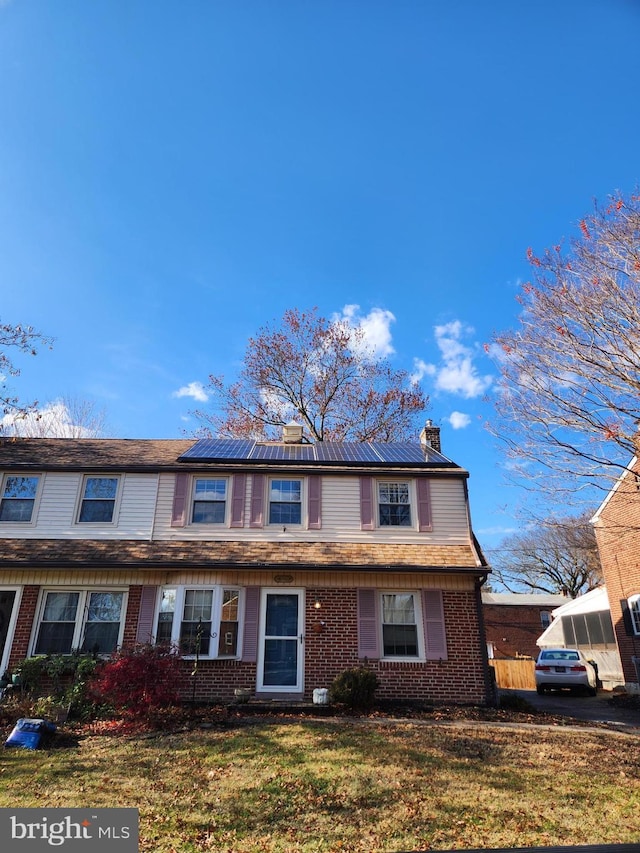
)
(331, 645)
(513, 629)
(618, 537)
(131, 618)
(26, 617)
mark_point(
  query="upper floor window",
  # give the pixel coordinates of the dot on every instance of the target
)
(91, 621)
(98, 500)
(18, 498)
(285, 502)
(394, 504)
(545, 619)
(200, 620)
(634, 610)
(209, 501)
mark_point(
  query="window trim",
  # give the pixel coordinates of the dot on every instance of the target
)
(36, 500)
(227, 501)
(419, 623)
(119, 478)
(81, 614)
(216, 616)
(302, 503)
(413, 504)
(634, 612)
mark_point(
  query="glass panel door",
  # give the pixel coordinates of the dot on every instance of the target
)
(280, 666)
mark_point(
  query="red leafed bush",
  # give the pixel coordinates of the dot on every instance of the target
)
(138, 681)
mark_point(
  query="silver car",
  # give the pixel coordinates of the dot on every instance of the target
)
(564, 668)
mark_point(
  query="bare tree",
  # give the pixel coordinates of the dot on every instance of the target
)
(568, 401)
(23, 339)
(556, 557)
(68, 417)
(320, 372)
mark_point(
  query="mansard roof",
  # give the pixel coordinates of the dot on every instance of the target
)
(142, 554)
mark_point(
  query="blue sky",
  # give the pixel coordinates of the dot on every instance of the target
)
(173, 175)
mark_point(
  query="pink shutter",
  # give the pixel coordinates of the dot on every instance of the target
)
(237, 500)
(145, 631)
(366, 503)
(250, 630)
(424, 504)
(434, 628)
(315, 502)
(257, 501)
(368, 643)
(179, 513)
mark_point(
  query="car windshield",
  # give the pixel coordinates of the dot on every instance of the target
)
(560, 655)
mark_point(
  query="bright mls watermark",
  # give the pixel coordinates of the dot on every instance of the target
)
(80, 830)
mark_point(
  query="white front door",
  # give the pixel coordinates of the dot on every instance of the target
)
(281, 650)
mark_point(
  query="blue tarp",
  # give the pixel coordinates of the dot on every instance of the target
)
(29, 733)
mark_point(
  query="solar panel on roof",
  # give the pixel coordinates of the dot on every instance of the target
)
(284, 452)
(347, 451)
(220, 448)
(400, 451)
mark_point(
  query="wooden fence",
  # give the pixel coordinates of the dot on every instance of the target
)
(514, 674)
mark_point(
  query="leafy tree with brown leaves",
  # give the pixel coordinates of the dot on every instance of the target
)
(555, 556)
(318, 372)
(568, 403)
(23, 339)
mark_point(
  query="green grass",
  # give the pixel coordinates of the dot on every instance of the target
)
(345, 786)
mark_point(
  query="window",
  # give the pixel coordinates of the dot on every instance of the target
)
(18, 498)
(202, 621)
(285, 502)
(634, 610)
(209, 501)
(98, 500)
(545, 619)
(400, 635)
(80, 619)
(394, 505)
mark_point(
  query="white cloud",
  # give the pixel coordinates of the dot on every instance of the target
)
(54, 420)
(457, 373)
(420, 370)
(195, 390)
(459, 420)
(375, 328)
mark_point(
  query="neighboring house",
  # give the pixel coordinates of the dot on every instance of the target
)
(277, 564)
(514, 620)
(585, 623)
(617, 529)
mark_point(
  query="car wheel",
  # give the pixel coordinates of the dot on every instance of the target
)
(540, 690)
(592, 691)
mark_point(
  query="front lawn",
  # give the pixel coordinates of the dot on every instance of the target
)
(344, 785)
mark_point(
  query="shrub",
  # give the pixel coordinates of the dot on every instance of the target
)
(138, 681)
(354, 688)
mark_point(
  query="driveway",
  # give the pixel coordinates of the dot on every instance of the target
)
(596, 709)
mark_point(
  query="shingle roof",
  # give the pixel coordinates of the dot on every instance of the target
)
(88, 453)
(74, 553)
(154, 454)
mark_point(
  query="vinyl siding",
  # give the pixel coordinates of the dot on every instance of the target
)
(56, 512)
(340, 517)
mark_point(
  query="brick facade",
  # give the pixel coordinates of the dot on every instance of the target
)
(617, 529)
(513, 630)
(331, 646)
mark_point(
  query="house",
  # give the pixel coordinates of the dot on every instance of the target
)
(617, 529)
(514, 620)
(585, 623)
(276, 565)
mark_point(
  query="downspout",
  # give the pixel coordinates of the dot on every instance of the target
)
(490, 687)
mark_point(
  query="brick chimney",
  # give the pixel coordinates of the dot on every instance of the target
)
(430, 436)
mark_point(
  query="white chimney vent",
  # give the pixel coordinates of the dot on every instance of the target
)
(292, 433)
